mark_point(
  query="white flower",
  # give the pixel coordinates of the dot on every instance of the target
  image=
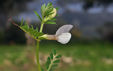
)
(64, 38)
(62, 34)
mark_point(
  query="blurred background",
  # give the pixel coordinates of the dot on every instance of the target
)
(91, 46)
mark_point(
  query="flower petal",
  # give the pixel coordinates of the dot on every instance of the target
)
(63, 29)
(64, 38)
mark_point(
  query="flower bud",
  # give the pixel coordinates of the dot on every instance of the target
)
(54, 13)
(50, 16)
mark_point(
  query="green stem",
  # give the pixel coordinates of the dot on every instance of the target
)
(42, 24)
(41, 27)
(37, 56)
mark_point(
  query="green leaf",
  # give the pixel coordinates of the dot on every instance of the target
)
(51, 56)
(26, 24)
(43, 9)
(51, 69)
(49, 4)
(54, 65)
(36, 29)
(53, 19)
(48, 11)
(54, 51)
(28, 29)
(56, 15)
(24, 27)
(33, 32)
(42, 69)
(21, 22)
(38, 15)
(32, 26)
(47, 14)
(56, 61)
(49, 60)
(50, 22)
(57, 8)
(47, 64)
(58, 56)
(37, 34)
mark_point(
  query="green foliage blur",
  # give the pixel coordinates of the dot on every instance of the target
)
(80, 57)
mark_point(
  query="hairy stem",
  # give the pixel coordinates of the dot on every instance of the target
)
(37, 56)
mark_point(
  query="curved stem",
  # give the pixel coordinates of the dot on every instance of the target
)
(37, 56)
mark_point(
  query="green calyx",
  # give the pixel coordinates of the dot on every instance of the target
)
(43, 37)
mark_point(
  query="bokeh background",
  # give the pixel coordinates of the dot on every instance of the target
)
(91, 45)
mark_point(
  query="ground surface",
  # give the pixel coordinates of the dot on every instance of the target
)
(80, 57)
